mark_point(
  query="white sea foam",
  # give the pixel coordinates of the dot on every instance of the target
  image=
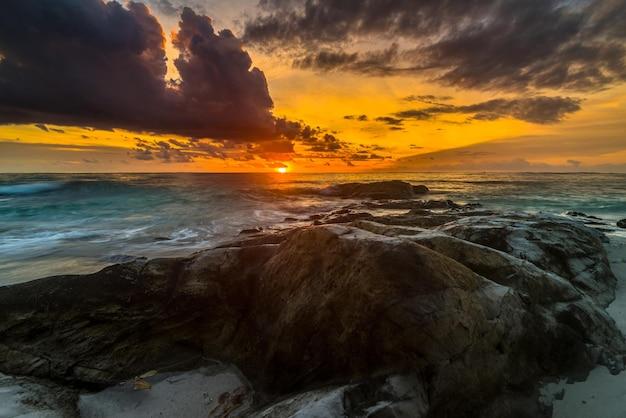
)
(30, 188)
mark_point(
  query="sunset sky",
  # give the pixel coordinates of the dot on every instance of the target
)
(313, 86)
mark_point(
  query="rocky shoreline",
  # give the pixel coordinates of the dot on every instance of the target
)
(436, 310)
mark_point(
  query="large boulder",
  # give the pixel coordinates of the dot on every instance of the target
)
(321, 279)
(392, 189)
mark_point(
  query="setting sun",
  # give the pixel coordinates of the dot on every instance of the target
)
(281, 170)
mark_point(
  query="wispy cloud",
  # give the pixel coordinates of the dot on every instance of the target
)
(492, 44)
(540, 109)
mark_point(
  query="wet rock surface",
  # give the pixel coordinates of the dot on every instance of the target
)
(445, 310)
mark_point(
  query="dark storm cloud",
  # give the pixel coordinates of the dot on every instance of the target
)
(391, 121)
(373, 63)
(167, 153)
(327, 143)
(91, 63)
(314, 139)
(485, 44)
(326, 60)
(275, 147)
(540, 109)
(314, 142)
(176, 151)
(142, 154)
(419, 114)
(359, 118)
(312, 21)
(360, 156)
(427, 98)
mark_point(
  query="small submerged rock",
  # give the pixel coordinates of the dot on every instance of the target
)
(249, 231)
(420, 189)
(622, 223)
(162, 239)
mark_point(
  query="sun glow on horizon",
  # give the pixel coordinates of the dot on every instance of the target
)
(281, 170)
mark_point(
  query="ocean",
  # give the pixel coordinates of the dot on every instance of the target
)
(68, 224)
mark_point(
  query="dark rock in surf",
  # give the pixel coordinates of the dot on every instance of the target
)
(441, 204)
(581, 215)
(393, 189)
(622, 223)
(162, 239)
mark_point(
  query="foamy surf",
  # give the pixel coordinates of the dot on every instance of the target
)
(31, 188)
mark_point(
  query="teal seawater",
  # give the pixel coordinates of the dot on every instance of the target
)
(65, 224)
